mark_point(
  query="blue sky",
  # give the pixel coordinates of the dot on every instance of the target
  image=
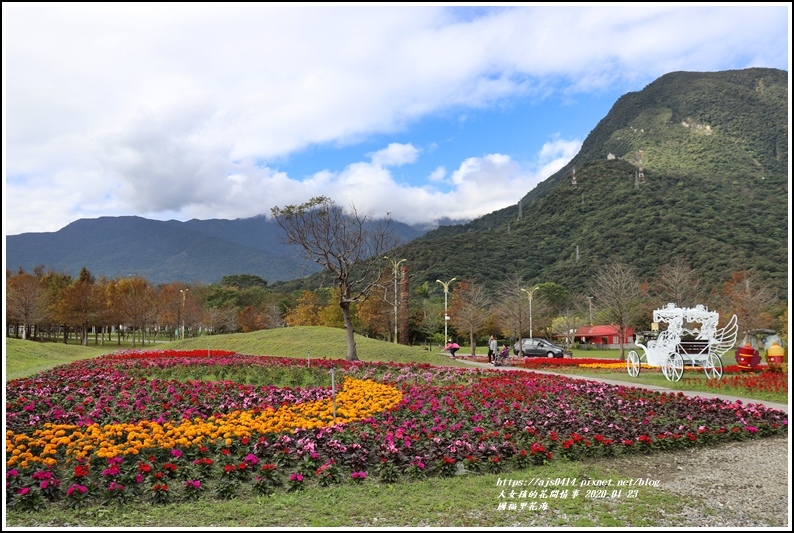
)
(225, 110)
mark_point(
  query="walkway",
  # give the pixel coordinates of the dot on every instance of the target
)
(771, 405)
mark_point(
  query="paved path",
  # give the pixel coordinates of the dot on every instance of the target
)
(779, 406)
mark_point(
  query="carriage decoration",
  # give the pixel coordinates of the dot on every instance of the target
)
(670, 352)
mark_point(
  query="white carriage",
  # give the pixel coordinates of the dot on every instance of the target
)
(671, 353)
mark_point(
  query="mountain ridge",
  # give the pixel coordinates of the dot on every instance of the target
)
(712, 149)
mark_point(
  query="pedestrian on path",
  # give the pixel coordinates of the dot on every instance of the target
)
(493, 346)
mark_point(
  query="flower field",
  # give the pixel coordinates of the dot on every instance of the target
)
(174, 426)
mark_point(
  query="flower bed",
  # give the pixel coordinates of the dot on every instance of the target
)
(141, 425)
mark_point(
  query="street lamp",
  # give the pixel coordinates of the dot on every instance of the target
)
(446, 316)
(395, 265)
(184, 292)
(590, 299)
(530, 292)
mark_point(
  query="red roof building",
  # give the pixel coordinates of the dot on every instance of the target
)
(601, 335)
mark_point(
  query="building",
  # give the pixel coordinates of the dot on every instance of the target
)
(605, 337)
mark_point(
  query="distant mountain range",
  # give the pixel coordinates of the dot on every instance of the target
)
(694, 166)
(196, 251)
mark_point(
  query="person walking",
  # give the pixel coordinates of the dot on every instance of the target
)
(493, 346)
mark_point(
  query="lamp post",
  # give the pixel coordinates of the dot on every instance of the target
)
(530, 292)
(590, 300)
(446, 316)
(395, 265)
(184, 292)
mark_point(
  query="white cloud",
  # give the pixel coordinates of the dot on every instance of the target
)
(185, 110)
(395, 154)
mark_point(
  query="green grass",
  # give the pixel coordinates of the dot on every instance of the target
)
(462, 501)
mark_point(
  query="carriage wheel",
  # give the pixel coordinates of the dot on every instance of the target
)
(713, 368)
(673, 368)
(633, 364)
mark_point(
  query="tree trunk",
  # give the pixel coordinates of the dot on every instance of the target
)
(351, 340)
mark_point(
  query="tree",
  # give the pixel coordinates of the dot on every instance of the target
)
(469, 304)
(341, 243)
(617, 288)
(136, 302)
(244, 281)
(676, 282)
(376, 313)
(749, 300)
(81, 304)
(306, 311)
(510, 309)
(26, 301)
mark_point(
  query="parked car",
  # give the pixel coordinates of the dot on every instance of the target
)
(539, 348)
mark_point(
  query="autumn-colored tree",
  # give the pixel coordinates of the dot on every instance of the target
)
(469, 310)
(80, 304)
(172, 301)
(376, 315)
(251, 319)
(136, 302)
(306, 310)
(331, 315)
(746, 297)
(54, 284)
(26, 301)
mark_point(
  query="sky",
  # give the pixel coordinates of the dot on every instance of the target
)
(418, 112)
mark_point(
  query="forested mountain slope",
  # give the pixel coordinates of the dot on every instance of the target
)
(713, 152)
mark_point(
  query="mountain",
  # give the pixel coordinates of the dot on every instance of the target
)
(694, 166)
(196, 251)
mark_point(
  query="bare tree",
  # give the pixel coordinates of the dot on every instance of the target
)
(572, 314)
(340, 242)
(469, 304)
(676, 282)
(617, 288)
(511, 311)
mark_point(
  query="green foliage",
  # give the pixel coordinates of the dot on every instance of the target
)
(714, 149)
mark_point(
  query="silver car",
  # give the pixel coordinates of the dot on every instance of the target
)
(538, 348)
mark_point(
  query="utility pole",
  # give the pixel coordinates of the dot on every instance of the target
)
(446, 315)
(396, 266)
(530, 292)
